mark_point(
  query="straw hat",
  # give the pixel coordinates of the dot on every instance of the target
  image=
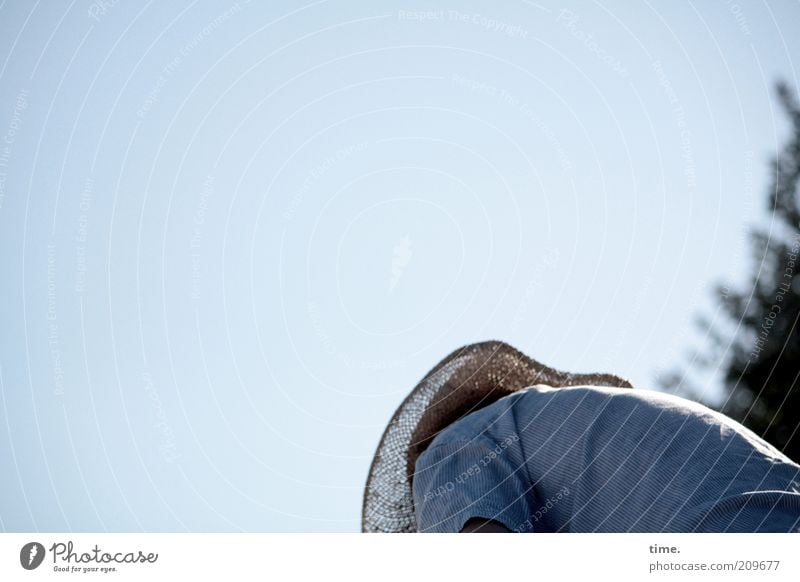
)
(470, 378)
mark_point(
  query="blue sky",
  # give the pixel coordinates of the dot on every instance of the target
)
(233, 236)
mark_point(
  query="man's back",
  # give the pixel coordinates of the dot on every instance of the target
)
(604, 459)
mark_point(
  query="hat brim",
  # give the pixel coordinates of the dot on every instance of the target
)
(469, 378)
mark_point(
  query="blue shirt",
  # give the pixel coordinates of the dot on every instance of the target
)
(595, 459)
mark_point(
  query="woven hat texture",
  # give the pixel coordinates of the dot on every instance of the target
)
(468, 379)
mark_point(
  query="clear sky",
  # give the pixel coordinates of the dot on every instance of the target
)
(234, 235)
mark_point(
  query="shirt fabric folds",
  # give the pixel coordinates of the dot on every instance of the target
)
(595, 459)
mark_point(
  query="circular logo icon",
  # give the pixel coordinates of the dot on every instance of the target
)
(31, 555)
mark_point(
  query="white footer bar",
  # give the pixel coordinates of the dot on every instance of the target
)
(423, 558)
